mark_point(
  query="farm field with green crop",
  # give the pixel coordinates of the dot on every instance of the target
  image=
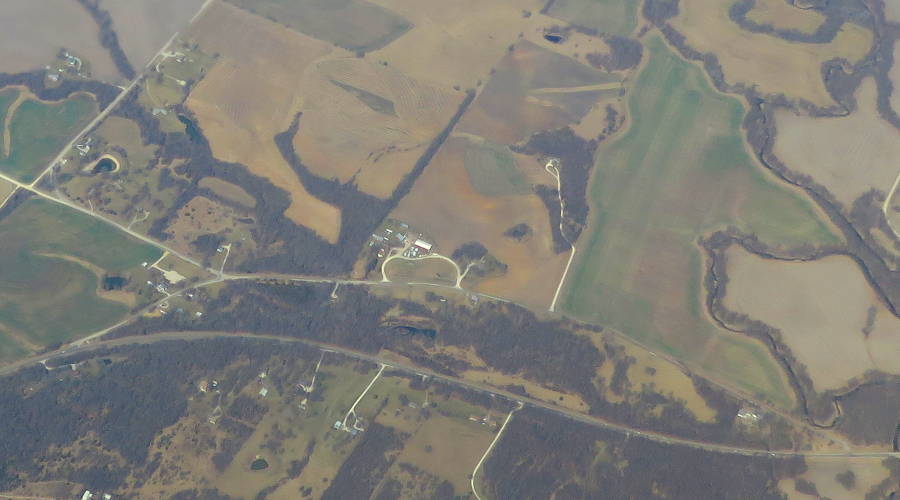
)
(52, 260)
(680, 172)
(38, 130)
(615, 17)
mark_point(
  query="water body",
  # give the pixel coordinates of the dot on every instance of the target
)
(259, 464)
(114, 282)
(553, 38)
(191, 128)
(104, 165)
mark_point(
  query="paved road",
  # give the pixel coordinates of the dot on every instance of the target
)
(475, 386)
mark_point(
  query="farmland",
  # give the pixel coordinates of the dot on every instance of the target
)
(38, 129)
(773, 65)
(239, 125)
(53, 260)
(638, 268)
(31, 34)
(614, 17)
(827, 315)
(848, 155)
(424, 270)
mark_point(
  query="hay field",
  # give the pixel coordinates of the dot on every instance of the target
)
(355, 25)
(680, 171)
(144, 26)
(824, 473)
(454, 43)
(614, 17)
(445, 204)
(368, 121)
(773, 65)
(251, 95)
(228, 191)
(848, 155)
(534, 89)
(31, 34)
(51, 259)
(37, 130)
(784, 16)
(425, 270)
(823, 309)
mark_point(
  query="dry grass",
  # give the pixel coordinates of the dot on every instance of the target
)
(784, 16)
(892, 11)
(822, 309)
(426, 270)
(501, 380)
(370, 121)
(6, 189)
(894, 73)
(868, 472)
(445, 204)
(197, 217)
(455, 447)
(848, 155)
(774, 65)
(31, 33)
(251, 95)
(228, 191)
(144, 26)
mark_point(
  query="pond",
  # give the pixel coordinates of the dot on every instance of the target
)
(553, 37)
(106, 164)
(259, 464)
(114, 282)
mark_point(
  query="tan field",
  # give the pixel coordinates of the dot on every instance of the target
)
(30, 38)
(848, 155)
(426, 270)
(773, 65)
(144, 26)
(822, 309)
(892, 11)
(370, 121)
(466, 37)
(823, 472)
(251, 94)
(445, 204)
(228, 191)
(6, 189)
(784, 16)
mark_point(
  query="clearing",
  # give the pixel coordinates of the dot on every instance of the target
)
(773, 65)
(680, 171)
(829, 317)
(848, 155)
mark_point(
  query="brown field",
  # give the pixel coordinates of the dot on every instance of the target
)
(534, 89)
(823, 472)
(848, 155)
(426, 270)
(445, 204)
(252, 94)
(773, 65)
(31, 33)
(784, 16)
(467, 37)
(144, 26)
(228, 191)
(370, 121)
(822, 309)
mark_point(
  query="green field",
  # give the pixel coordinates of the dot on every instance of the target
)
(493, 172)
(38, 130)
(355, 25)
(7, 97)
(614, 17)
(678, 173)
(46, 299)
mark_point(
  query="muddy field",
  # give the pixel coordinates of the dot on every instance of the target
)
(848, 155)
(773, 65)
(31, 34)
(251, 95)
(828, 316)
